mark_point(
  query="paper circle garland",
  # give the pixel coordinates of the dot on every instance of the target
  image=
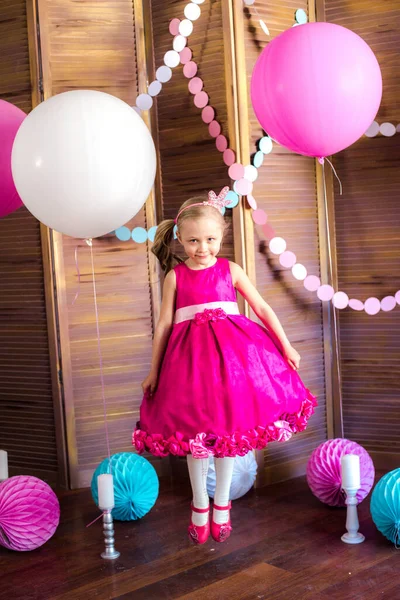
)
(244, 475)
(29, 513)
(385, 506)
(324, 475)
(135, 485)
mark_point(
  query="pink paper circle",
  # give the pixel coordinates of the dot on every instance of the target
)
(207, 114)
(195, 85)
(190, 69)
(201, 99)
(236, 171)
(221, 142)
(214, 129)
(340, 300)
(259, 216)
(230, 157)
(185, 55)
(388, 303)
(372, 306)
(356, 304)
(174, 26)
(243, 186)
(287, 259)
(325, 292)
(397, 297)
(252, 201)
(312, 283)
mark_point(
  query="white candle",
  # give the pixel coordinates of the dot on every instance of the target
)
(105, 487)
(350, 466)
(3, 465)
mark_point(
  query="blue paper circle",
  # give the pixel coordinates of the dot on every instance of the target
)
(175, 230)
(135, 485)
(123, 233)
(301, 16)
(152, 232)
(385, 506)
(258, 159)
(139, 235)
(265, 145)
(234, 199)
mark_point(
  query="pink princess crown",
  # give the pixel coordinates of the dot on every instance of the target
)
(218, 202)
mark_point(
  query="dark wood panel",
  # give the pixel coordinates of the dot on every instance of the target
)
(367, 220)
(285, 544)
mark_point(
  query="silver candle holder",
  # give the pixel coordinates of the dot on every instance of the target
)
(110, 553)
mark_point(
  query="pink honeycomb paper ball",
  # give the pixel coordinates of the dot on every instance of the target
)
(323, 471)
(29, 513)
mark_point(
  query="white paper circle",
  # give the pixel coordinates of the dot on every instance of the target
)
(250, 173)
(144, 101)
(372, 130)
(264, 27)
(179, 43)
(197, 1)
(155, 88)
(171, 59)
(387, 129)
(249, 2)
(163, 74)
(340, 300)
(192, 11)
(185, 27)
(277, 245)
(299, 271)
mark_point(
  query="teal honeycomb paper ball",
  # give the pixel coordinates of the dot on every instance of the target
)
(385, 506)
(135, 485)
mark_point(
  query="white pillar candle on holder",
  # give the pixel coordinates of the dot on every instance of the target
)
(105, 487)
(350, 468)
(3, 465)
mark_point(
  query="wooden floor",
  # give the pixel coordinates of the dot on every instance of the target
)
(285, 546)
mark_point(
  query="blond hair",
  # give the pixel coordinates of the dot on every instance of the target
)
(165, 231)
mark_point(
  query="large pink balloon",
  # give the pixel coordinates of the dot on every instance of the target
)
(316, 88)
(11, 118)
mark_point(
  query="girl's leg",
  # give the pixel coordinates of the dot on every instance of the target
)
(223, 472)
(198, 469)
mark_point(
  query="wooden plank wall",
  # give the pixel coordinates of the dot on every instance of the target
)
(367, 219)
(286, 190)
(190, 164)
(27, 428)
(92, 45)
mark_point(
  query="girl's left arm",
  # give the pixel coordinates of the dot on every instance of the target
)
(264, 312)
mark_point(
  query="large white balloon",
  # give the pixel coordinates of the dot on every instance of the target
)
(83, 163)
(243, 478)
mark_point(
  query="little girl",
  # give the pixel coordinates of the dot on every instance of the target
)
(219, 385)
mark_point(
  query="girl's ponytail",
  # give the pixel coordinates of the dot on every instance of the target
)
(162, 246)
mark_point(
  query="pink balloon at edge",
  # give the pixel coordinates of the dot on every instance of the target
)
(316, 88)
(11, 118)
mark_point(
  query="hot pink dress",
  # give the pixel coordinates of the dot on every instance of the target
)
(224, 388)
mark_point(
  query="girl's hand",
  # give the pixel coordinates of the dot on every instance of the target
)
(149, 385)
(292, 356)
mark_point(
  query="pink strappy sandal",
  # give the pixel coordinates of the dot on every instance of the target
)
(199, 534)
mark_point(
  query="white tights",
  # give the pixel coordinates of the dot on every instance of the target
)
(198, 468)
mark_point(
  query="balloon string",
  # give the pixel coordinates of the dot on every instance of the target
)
(90, 244)
(96, 519)
(79, 275)
(335, 323)
(336, 175)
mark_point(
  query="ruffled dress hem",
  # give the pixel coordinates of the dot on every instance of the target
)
(236, 444)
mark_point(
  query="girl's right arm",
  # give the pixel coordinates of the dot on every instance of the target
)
(162, 332)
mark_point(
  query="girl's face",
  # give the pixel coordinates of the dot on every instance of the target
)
(201, 239)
